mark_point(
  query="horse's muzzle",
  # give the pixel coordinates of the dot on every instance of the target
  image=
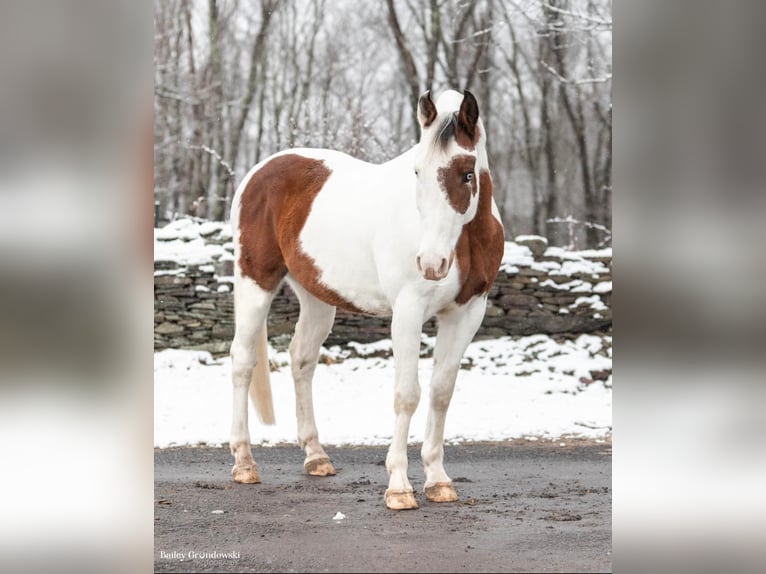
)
(436, 269)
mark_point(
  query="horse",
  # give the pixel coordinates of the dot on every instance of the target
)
(415, 237)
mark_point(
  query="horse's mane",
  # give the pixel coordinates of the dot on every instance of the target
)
(446, 131)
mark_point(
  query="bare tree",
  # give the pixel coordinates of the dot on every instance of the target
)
(257, 57)
(236, 81)
(408, 62)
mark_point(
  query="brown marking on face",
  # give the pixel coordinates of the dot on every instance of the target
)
(274, 208)
(480, 246)
(451, 180)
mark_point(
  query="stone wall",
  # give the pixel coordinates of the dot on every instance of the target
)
(550, 292)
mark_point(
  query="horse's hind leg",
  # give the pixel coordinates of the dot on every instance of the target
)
(250, 311)
(456, 329)
(314, 324)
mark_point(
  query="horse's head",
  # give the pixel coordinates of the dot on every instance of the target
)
(451, 152)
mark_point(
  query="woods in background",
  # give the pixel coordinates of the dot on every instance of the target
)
(236, 81)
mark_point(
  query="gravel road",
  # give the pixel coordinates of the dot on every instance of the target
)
(525, 506)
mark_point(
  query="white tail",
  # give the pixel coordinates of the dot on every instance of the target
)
(260, 384)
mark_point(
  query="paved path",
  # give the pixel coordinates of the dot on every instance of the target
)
(525, 507)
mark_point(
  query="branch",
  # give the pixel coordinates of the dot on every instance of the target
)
(578, 15)
(217, 156)
(571, 221)
(476, 34)
(564, 80)
(161, 92)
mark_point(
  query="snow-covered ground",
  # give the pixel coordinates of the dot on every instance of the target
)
(508, 388)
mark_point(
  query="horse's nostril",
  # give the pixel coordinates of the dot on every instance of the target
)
(443, 267)
(420, 268)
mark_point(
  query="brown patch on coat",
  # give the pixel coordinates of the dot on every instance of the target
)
(274, 208)
(450, 178)
(480, 246)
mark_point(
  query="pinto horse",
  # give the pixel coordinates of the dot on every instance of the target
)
(417, 236)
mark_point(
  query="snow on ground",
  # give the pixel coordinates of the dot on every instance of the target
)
(508, 388)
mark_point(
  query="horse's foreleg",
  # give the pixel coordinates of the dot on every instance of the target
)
(314, 324)
(406, 326)
(251, 310)
(456, 329)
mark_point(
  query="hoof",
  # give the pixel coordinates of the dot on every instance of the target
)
(245, 474)
(401, 500)
(441, 492)
(319, 467)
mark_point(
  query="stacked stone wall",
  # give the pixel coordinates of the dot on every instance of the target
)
(550, 292)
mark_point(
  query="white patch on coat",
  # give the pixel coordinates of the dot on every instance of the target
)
(363, 232)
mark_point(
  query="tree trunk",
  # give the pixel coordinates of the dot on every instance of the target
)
(408, 63)
(257, 58)
(217, 193)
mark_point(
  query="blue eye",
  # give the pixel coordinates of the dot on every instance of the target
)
(467, 177)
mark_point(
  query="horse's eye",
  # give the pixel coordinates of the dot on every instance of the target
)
(467, 177)
(417, 173)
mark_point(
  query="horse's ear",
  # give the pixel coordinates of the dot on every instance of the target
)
(468, 114)
(426, 110)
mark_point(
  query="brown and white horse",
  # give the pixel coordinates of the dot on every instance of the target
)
(415, 237)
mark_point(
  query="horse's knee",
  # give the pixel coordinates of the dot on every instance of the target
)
(301, 361)
(243, 348)
(304, 348)
(243, 362)
(440, 399)
(406, 400)
(442, 388)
